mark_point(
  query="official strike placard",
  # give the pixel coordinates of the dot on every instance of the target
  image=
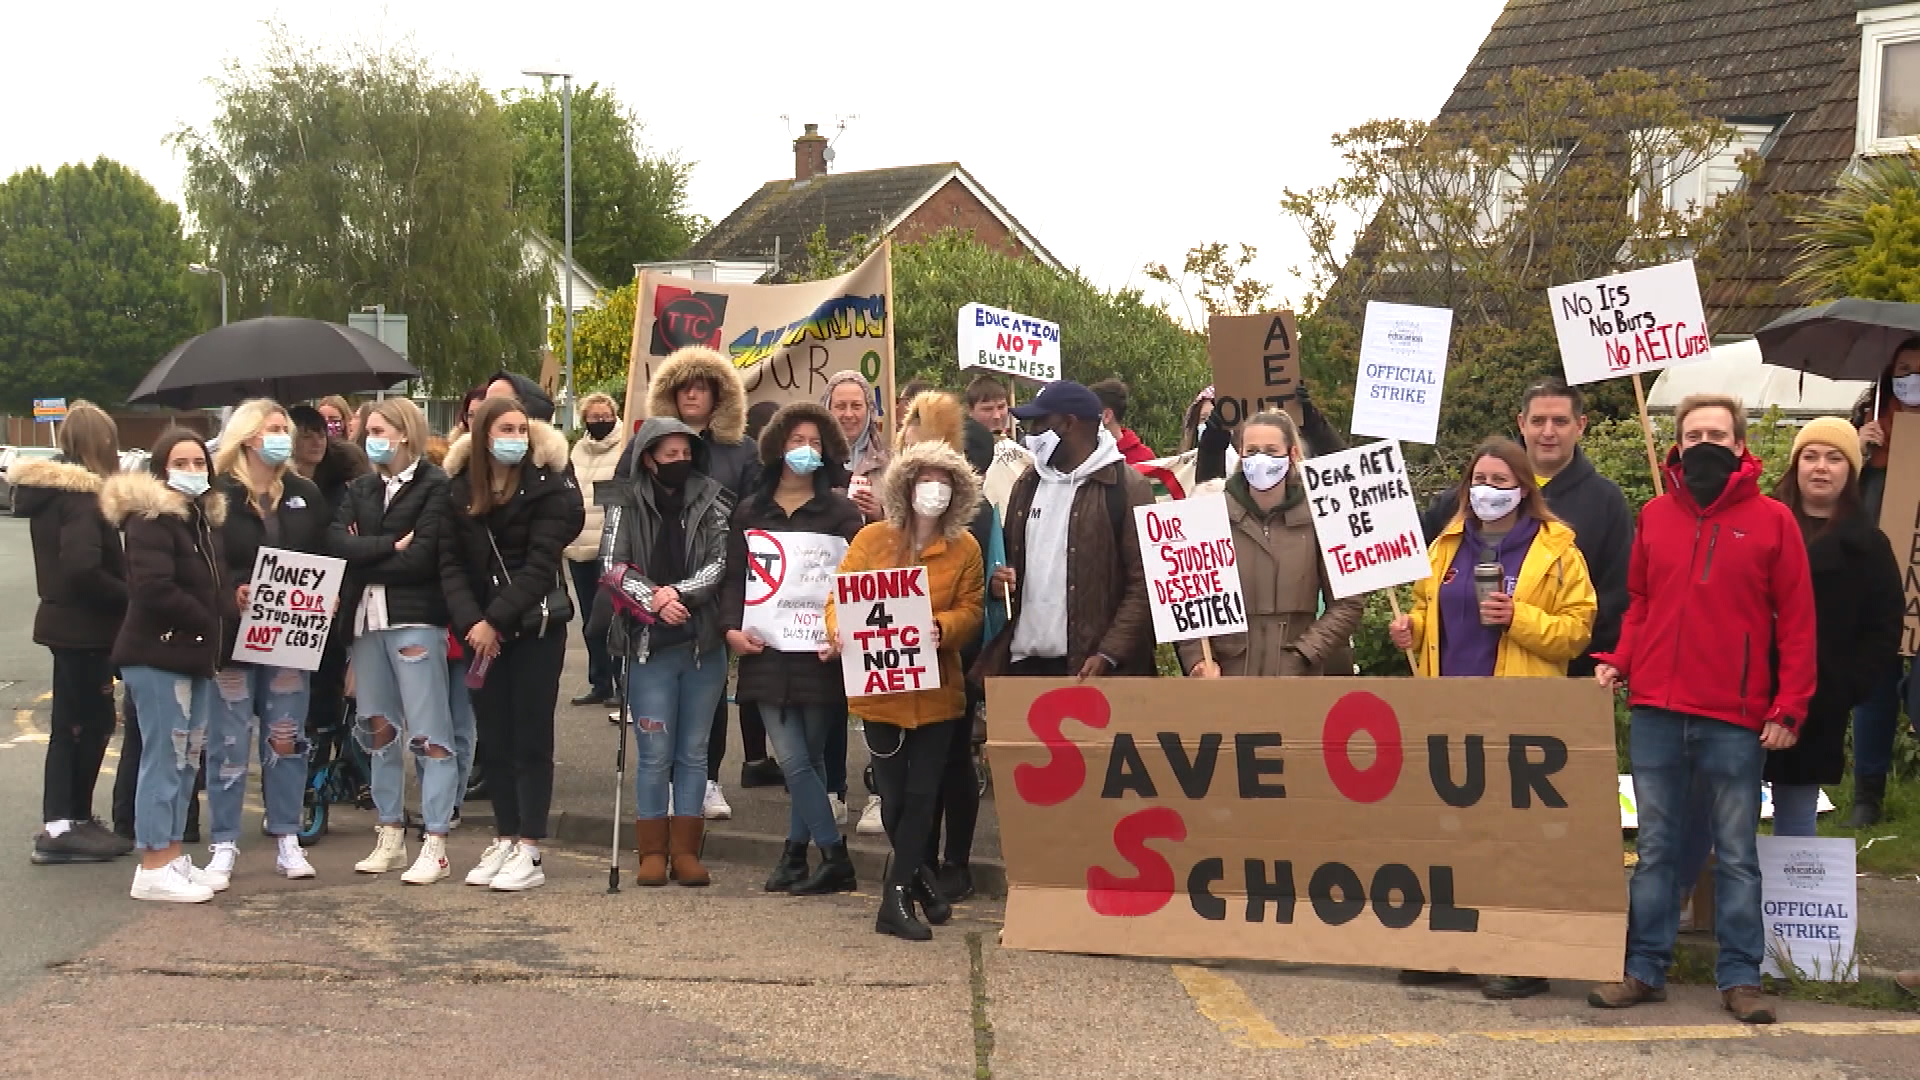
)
(1192, 577)
(1443, 824)
(1366, 518)
(885, 619)
(290, 605)
(1403, 370)
(1625, 324)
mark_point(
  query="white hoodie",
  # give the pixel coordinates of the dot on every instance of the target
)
(1042, 629)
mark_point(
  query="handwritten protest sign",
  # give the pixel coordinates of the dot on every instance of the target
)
(1009, 342)
(1475, 828)
(289, 607)
(885, 620)
(1900, 518)
(1192, 576)
(1809, 902)
(1255, 360)
(1366, 518)
(1626, 324)
(789, 575)
(1403, 369)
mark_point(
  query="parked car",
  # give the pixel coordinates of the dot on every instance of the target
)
(12, 454)
(134, 460)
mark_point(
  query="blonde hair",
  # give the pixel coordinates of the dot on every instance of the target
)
(249, 418)
(597, 398)
(1274, 418)
(89, 437)
(404, 416)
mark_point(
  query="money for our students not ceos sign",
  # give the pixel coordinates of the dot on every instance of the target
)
(885, 619)
(1009, 342)
(789, 575)
(1366, 518)
(1403, 368)
(289, 607)
(1625, 324)
(1193, 579)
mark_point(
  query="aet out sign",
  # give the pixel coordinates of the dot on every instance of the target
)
(1008, 342)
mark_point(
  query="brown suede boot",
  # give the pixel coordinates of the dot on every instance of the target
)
(1624, 994)
(683, 843)
(651, 839)
(1747, 1004)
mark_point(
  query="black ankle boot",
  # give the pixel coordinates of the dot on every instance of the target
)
(896, 916)
(791, 868)
(834, 874)
(926, 893)
(1868, 793)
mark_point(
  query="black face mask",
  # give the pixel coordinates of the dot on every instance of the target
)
(673, 474)
(600, 429)
(1706, 468)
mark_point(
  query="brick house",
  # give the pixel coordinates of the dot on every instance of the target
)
(911, 202)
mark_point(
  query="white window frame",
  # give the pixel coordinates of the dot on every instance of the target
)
(1880, 27)
(1690, 193)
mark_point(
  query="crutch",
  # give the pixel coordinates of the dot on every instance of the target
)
(619, 780)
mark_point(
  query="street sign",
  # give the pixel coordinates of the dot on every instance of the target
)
(389, 330)
(52, 408)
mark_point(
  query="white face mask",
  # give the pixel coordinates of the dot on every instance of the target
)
(1264, 471)
(1907, 389)
(1491, 503)
(1043, 445)
(931, 498)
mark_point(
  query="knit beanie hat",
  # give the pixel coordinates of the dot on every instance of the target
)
(1831, 431)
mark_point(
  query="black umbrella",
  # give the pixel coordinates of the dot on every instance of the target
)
(283, 358)
(1850, 339)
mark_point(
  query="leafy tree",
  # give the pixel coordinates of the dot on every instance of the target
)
(93, 288)
(628, 205)
(1219, 281)
(326, 183)
(602, 339)
(1863, 239)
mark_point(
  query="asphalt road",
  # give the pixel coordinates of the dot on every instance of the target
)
(353, 975)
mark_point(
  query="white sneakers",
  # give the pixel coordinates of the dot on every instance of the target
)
(491, 860)
(291, 861)
(714, 807)
(839, 807)
(170, 884)
(389, 853)
(431, 866)
(521, 872)
(870, 823)
(219, 870)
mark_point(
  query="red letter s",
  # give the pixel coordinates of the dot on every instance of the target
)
(1065, 771)
(1149, 890)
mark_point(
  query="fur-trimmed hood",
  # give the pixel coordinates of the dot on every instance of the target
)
(57, 474)
(773, 438)
(546, 447)
(729, 421)
(896, 487)
(144, 494)
(938, 415)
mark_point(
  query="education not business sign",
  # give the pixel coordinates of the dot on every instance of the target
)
(1625, 324)
(1009, 342)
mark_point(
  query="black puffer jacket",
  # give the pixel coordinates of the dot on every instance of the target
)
(78, 565)
(364, 531)
(301, 521)
(179, 604)
(732, 460)
(343, 464)
(530, 531)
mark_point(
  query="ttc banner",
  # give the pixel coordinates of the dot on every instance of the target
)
(1475, 827)
(786, 340)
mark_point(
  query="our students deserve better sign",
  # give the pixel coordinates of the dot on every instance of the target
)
(1193, 579)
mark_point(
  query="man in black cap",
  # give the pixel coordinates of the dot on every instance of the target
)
(511, 384)
(1086, 615)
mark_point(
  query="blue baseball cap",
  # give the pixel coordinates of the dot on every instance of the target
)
(1062, 397)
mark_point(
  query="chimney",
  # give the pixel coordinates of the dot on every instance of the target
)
(810, 154)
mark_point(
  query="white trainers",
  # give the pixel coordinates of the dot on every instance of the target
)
(168, 884)
(389, 853)
(431, 866)
(185, 868)
(839, 807)
(491, 860)
(870, 823)
(521, 872)
(292, 859)
(219, 869)
(714, 807)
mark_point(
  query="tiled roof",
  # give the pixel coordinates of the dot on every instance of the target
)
(848, 204)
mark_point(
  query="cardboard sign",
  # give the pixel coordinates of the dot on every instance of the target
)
(886, 632)
(1366, 518)
(289, 607)
(1809, 903)
(789, 575)
(1009, 342)
(1625, 324)
(1255, 359)
(1900, 518)
(1403, 370)
(1473, 828)
(1192, 577)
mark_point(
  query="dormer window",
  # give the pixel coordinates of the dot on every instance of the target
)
(1889, 120)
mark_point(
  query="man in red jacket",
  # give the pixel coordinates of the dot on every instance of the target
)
(1717, 652)
(1114, 398)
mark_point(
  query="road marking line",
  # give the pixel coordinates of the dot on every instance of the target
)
(43, 698)
(23, 719)
(1221, 1000)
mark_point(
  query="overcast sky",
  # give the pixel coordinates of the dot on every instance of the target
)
(1118, 134)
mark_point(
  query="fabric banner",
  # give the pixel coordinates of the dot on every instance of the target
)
(789, 575)
(290, 603)
(1809, 903)
(1900, 518)
(1474, 828)
(786, 340)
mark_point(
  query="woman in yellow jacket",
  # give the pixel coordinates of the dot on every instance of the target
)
(929, 494)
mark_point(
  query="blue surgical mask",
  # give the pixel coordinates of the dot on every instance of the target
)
(276, 447)
(379, 450)
(508, 451)
(803, 460)
(191, 484)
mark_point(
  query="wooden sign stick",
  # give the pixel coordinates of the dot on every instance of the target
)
(1393, 598)
(1646, 428)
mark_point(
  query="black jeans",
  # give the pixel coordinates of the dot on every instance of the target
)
(1040, 667)
(907, 765)
(513, 713)
(82, 724)
(586, 582)
(753, 736)
(958, 802)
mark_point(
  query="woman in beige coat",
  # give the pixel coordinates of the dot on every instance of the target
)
(594, 459)
(1294, 624)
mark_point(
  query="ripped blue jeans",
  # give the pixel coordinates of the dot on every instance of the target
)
(400, 696)
(172, 710)
(254, 703)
